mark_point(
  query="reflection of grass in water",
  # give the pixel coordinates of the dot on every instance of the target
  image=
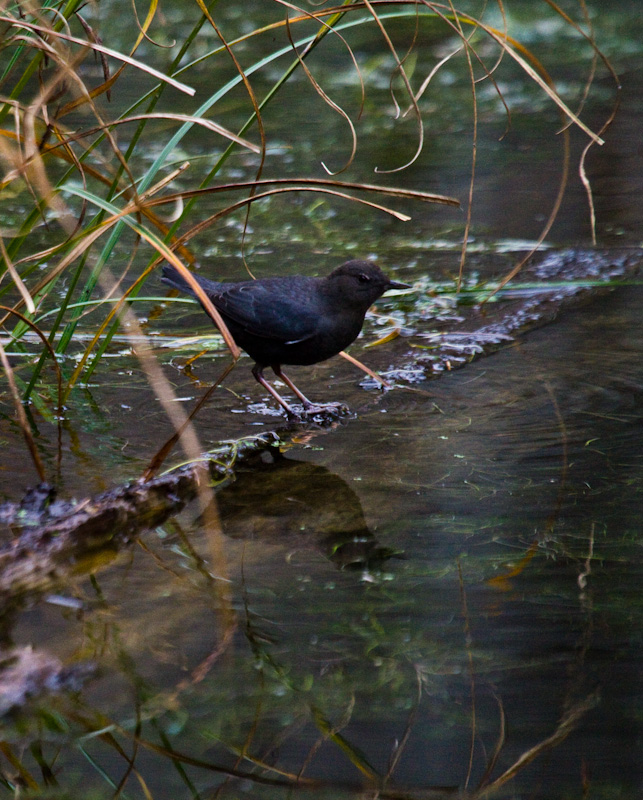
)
(263, 710)
(356, 654)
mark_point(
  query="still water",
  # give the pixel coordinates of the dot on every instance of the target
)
(440, 594)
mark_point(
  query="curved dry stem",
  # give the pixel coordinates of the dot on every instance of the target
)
(567, 725)
(107, 131)
(105, 88)
(329, 102)
(368, 5)
(297, 184)
(400, 745)
(304, 185)
(511, 46)
(17, 280)
(31, 165)
(545, 82)
(514, 49)
(162, 453)
(144, 26)
(80, 168)
(93, 37)
(99, 48)
(500, 58)
(497, 750)
(253, 100)
(589, 37)
(471, 669)
(454, 21)
(113, 313)
(425, 83)
(550, 221)
(31, 324)
(86, 242)
(329, 732)
(33, 157)
(404, 58)
(166, 253)
(68, 138)
(598, 54)
(125, 190)
(206, 223)
(328, 27)
(474, 163)
(189, 441)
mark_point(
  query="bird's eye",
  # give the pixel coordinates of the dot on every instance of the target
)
(363, 278)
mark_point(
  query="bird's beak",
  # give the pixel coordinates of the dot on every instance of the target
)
(397, 285)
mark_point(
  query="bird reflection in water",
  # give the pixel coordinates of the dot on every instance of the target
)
(284, 501)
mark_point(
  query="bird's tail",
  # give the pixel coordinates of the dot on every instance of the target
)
(172, 278)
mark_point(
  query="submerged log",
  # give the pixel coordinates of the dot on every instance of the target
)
(51, 536)
(41, 553)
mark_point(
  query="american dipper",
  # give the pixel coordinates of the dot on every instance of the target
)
(294, 320)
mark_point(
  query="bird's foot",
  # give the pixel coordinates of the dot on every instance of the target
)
(322, 411)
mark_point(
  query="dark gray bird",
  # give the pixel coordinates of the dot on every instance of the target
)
(294, 320)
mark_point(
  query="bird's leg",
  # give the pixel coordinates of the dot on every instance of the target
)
(257, 371)
(281, 374)
(310, 408)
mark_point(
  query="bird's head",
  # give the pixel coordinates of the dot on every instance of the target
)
(360, 283)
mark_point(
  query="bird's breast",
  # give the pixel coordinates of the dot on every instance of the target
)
(329, 332)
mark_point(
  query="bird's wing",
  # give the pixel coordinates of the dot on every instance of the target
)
(270, 310)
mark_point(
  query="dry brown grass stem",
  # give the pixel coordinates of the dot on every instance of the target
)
(255, 106)
(295, 183)
(567, 725)
(47, 345)
(99, 48)
(17, 280)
